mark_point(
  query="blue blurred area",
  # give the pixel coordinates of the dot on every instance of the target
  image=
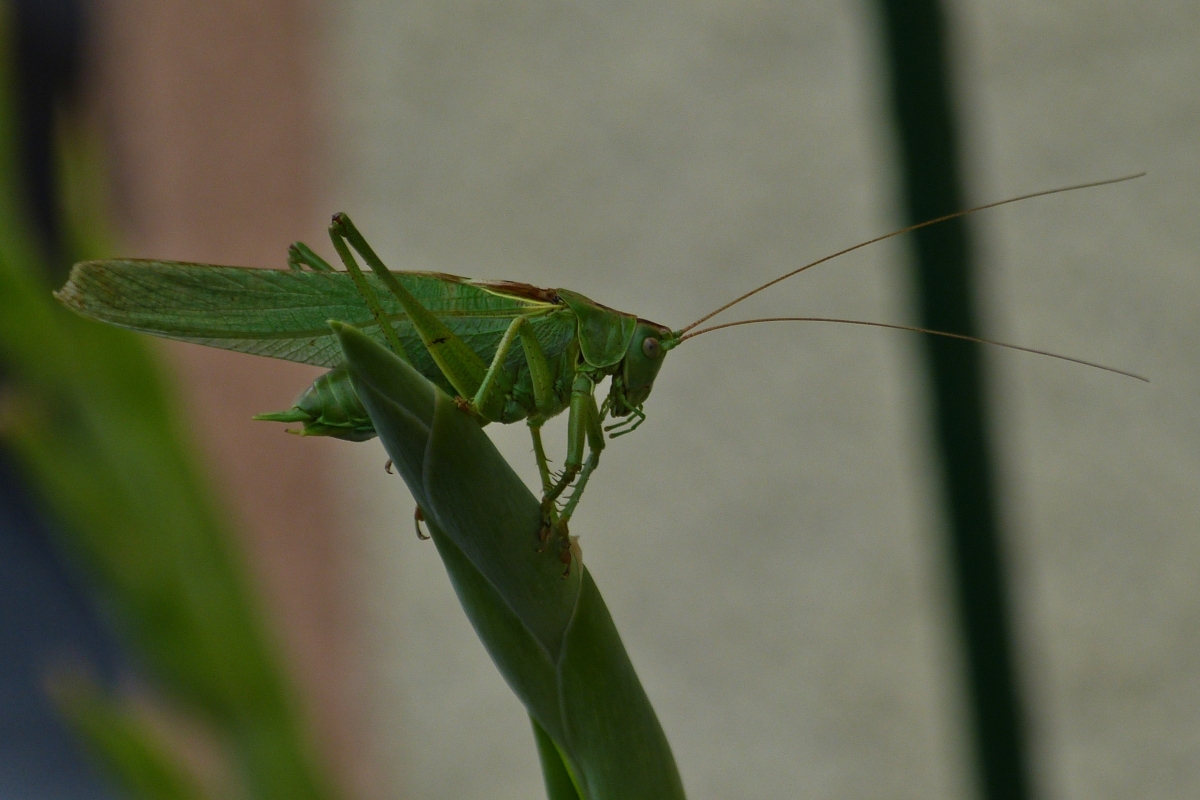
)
(47, 622)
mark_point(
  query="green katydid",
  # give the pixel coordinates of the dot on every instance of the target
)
(507, 351)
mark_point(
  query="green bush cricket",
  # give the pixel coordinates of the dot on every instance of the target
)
(506, 351)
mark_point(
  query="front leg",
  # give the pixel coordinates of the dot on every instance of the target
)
(583, 427)
(589, 467)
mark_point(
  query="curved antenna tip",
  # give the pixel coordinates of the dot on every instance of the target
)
(914, 329)
(908, 229)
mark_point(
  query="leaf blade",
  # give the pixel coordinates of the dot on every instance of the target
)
(484, 521)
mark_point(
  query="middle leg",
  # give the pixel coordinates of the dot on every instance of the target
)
(539, 455)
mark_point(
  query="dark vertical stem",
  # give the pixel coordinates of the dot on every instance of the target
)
(48, 45)
(921, 102)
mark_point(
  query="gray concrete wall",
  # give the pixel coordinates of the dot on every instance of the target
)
(770, 542)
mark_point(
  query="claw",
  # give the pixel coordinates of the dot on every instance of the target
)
(565, 552)
(418, 518)
(545, 533)
(570, 551)
(388, 467)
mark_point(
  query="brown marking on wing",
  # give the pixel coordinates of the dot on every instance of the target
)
(441, 276)
(660, 326)
(518, 289)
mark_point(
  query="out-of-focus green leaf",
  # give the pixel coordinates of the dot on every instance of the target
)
(123, 744)
(85, 411)
(552, 638)
(560, 785)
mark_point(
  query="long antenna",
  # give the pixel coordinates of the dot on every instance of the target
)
(908, 229)
(889, 325)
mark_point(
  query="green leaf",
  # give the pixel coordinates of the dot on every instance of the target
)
(88, 417)
(551, 637)
(560, 785)
(123, 743)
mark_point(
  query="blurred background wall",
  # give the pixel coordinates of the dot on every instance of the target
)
(217, 154)
(770, 542)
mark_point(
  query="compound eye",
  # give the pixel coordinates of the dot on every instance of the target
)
(651, 347)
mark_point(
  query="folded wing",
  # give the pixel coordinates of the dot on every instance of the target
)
(285, 314)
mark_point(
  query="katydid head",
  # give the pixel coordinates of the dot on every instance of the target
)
(643, 358)
(635, 373)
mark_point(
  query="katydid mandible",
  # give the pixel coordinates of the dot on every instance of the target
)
(506, 351)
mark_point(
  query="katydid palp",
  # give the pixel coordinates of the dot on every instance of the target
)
(506, 351)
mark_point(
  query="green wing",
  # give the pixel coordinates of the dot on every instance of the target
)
(285, 314)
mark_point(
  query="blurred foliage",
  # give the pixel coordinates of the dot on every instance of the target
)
(122, 740)
(85, 411)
